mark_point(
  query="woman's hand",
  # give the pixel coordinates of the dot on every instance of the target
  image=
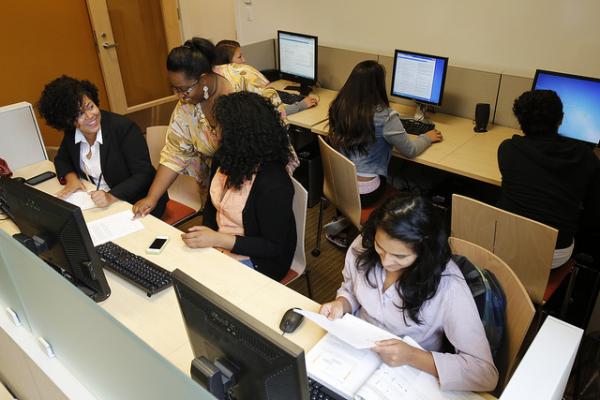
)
(335, 309)
(142, 207)
(434, 135)
(394, 352)
(73, 184)
(203, 236)
(102, 199)
(310, 101)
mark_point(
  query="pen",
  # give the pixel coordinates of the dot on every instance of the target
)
(98, 183)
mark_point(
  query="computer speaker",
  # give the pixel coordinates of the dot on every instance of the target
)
(482, 115)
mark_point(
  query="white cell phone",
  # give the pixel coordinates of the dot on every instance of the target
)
(157, 245)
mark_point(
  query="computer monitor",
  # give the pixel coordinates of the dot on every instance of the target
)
(419, 77)
(580, 96)
(56, 231)
(298, 59)
(236, 353)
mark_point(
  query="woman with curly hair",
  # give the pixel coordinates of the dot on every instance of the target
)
(248, 212)
(546, 177)
(399, 276)
(191, 136)
(104, 148)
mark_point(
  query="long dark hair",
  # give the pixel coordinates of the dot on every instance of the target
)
(413, 220)
(252, 134)
(194, 58)
(225, 50)
(351, 126)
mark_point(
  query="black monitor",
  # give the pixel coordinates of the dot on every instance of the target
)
(237, 356)
(580, 96)
(298, 59)
(419, 77)
(56, 231)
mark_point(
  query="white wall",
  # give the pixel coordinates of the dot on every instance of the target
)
(510, 36)
(211, 19)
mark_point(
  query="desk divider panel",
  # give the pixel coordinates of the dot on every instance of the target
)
(107, 358)
(335, 65)
(261, 55)
(511, 87)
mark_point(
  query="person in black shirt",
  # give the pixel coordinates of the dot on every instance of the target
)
(546, 177)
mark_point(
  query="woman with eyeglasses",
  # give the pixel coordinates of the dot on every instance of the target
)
(191, 137)
(104, 148)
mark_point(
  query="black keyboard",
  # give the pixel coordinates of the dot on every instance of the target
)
(415, 127)
(289, 98)
(142, 273)
(320, 392)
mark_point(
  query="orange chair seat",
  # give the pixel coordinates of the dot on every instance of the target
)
(291, 275)
(366, 212)
(175, 212)
(557, 276)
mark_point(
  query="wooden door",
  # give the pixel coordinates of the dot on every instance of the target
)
(133, 38)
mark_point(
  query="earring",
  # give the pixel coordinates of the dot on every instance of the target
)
(205, 90)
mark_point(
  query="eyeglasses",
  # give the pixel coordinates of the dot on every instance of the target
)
(184, 91)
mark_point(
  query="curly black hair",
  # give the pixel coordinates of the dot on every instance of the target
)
(415, 221)
(252, 133)
(62, 99)
(539, 112)
(194, 58)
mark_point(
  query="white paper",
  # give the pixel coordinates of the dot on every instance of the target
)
(340, 367)
(354, 331)
(81, 199)
(113, 227)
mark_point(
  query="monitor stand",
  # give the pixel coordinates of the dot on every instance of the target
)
(304, 89)
(421, 113)
(218, 377)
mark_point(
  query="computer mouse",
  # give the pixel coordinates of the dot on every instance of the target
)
(290, 321)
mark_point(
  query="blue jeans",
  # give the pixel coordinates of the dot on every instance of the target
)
(248, 262)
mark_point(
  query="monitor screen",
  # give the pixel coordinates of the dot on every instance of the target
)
(56, 231)
(298, 56)
(266, 365)
(581, 103)
(419, 77)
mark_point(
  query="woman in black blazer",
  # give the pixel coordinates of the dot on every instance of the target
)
(105, 148)
(248, 212)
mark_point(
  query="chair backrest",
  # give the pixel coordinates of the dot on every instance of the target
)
(519, 308)
(185, 189)
(339, 182)
(299, 207)
(524, 244)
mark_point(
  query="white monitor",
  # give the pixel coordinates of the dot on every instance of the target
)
(22, 142)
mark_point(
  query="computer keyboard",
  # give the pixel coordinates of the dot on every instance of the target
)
(289, 98)
(415, 127)
(142, 273)
(320, 392)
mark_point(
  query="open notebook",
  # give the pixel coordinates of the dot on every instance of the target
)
(342, 361)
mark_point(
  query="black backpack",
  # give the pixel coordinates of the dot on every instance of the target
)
(489, 298)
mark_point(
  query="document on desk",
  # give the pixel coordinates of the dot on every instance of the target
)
(354, 331)
(113, 227)
(81, 199)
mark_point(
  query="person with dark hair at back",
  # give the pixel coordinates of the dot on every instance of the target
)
(191, 136)
(364, 128)
(546, 177)
(398, 275)
(249, 212)
(230, 52)
(105, 148)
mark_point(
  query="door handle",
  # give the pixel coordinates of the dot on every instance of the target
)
(107, 45)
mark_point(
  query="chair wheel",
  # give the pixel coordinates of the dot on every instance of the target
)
(316, 252)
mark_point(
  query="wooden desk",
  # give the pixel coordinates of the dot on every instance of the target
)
(462, 151)
(157, 320)
(312, 116)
